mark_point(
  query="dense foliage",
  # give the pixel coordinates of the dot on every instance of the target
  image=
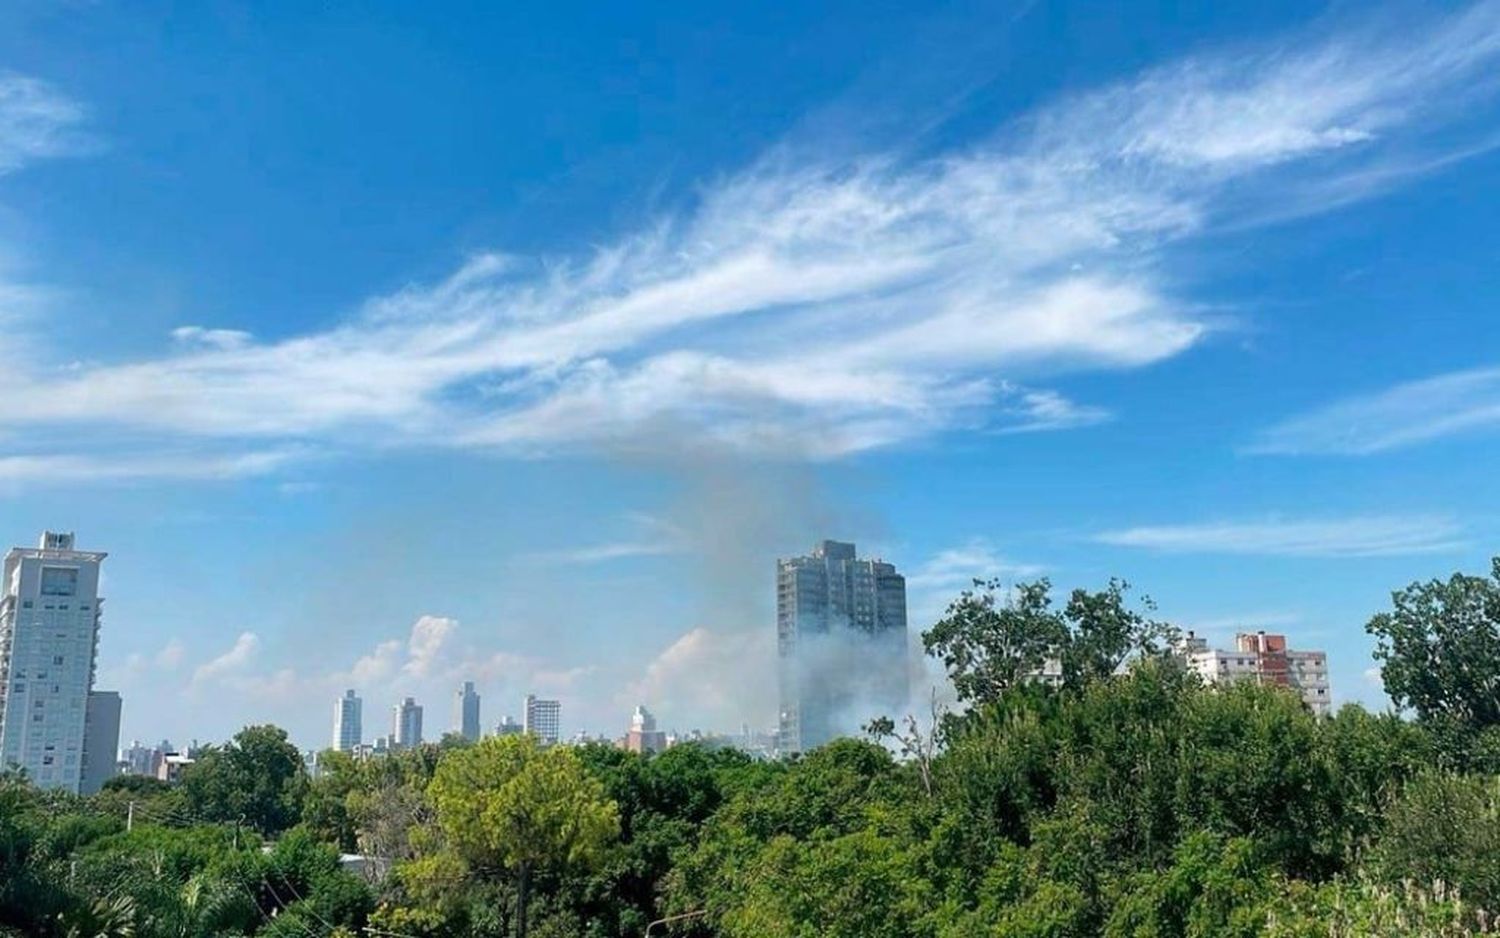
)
(1124, 799)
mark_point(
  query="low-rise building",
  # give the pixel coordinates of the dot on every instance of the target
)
(1265, 659)
(172, 764)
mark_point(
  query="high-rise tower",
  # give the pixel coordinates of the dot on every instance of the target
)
(348, 722)
(406, 724)
(466, 712)
(841, 643)
(49, 635)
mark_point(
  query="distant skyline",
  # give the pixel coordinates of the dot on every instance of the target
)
(396, 347)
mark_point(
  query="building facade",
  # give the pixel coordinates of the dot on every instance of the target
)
(643, 736)
(466, 712)
(1266, 659)
(406, 724)
(101, 741)
(841, 644)
(49, 636)
(509, 726)
(348, 722)
(542, 719)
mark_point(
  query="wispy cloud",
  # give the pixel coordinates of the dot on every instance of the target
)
(653, 537)
(956, 568)
(938, 580)
(113, 467)
(239, 656)
(824, 308)
(36, 122)
(1360, 536)
(1403, 415)
(223, 339)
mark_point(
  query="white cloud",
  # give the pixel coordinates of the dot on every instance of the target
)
(1244, 622)
(429, 645)
(62, 469)
(825, 308)
(1404, 415)
(428, 664)
(380, 665)
(223, 339)
(654, 538)
(937, 581)
(1360, 536)
(231, 662)
(1036, 411)
(598, 553)
(170, 656)
(709, 679)
(36, 122)
(956, 568)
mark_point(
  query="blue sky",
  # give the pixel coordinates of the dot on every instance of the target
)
(389, 347)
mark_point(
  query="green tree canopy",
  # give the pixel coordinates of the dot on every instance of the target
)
(507, 802)
(1439, 648)
(992, 638)
(257, 778)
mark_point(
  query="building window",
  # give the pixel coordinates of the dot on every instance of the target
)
(59, 581)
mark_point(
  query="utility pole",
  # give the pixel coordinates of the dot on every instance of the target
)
(129, 816)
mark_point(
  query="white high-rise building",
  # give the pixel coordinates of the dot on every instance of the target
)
(348, 722)
(49, 635)
(466, 712)
(542, 719)
(643, 736)
(841, 644)
(1265, 659)
(406, 724)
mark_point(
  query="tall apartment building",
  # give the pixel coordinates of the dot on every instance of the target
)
(348, 722)
(466, 712)
(1265, 659)
(542, 719)
(406, 724)
(841, 644)
(49, 636)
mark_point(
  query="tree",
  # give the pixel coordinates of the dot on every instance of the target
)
(1439, 649)
(325, 809)
(914, 742)
(507, 802)
(257, 778)
(990, 644)
(1103, 633)
(1444, 829)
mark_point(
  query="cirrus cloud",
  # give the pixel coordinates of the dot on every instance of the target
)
(1358, 536)
(823, 307)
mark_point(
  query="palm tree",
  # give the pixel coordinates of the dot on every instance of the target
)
(109, 917)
